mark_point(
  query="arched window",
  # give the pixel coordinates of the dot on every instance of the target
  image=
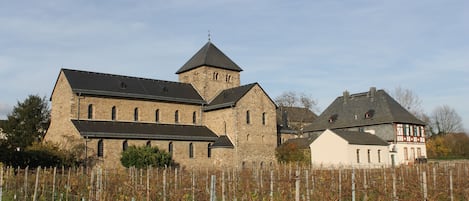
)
(136, 114)
(170, 148)
(125, 145)
(209, 150)
(90, 111)
(176, 116)
(157, 115)
(248, 117)
(113, 113)
(100, 148)
(148, 143)
(191, 150)
(263, 118)
(194, 117)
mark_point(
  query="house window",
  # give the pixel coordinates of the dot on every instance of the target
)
(194, 117)
(416, 131)
(369, 156)
(157, 115)
(191, 150)
(136, 114)
(209, 150)
(125, 145)
(406, 156)
(358, 155)
(404, 127)
(379, 156)
(148, 143)
(263, 118)
(100, 148)
(176, 116)
(90, 111)
(419, 152)
(113, 113)
(248, 117)
(399, 129)
(170, 148)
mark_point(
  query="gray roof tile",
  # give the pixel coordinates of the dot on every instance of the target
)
(209, 55)
(360, 138)
(228, 97)
(101, 84)
(351, 112)
(138, 130)
(223, 142)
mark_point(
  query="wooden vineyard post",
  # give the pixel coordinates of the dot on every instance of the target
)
(365, 185)
(53, 183)
(271, 185)
(148, 183)
(394, 194)
(1, 181)
(193, 186)
(297, 185)
(451, 184)
(424, 183)
(213, 196)
(340, 184)
(353, 184)
(38, 170)
(434, 178)
(223, 185)
(26, 183)
(164, 184)
(307, 185)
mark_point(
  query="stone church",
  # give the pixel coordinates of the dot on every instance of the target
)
(207, 119)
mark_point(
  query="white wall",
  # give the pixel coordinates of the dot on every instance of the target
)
(329, 150)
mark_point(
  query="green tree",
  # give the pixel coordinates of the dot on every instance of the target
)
(289, 152)
(28, 122)
(141, 157)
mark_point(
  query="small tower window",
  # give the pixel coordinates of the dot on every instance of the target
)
(176, 116)
(125, 145)
(248, 117)
(113, 113)
(90, 111)
(136, 114)
(170, 148)
(263, 118)
(194, 117)
(100, 148)
(191, 150)
(157, 115)
(209, 150)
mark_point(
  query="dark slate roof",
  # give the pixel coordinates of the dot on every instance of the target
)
(209, 55)
(228, 97)
(223, 142)
(352, 110)
(302, 143)
(295, 114)
(101, 84)
(360, 138)
(137, 130)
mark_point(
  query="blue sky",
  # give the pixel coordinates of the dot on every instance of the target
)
(317, 47)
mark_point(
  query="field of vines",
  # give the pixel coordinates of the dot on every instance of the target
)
(433, 181)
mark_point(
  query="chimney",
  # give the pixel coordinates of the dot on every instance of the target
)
(372, 93)
(346, 96)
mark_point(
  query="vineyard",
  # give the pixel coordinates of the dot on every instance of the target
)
(433, 181)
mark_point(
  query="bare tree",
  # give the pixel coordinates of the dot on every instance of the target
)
(445, 119)
(409, 100)
(294, 99)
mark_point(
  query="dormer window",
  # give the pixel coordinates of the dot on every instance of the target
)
(369, 114)
(333, 118)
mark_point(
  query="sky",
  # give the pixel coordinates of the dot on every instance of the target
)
(320, 47)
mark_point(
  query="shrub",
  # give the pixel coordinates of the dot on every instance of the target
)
(141, 157)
